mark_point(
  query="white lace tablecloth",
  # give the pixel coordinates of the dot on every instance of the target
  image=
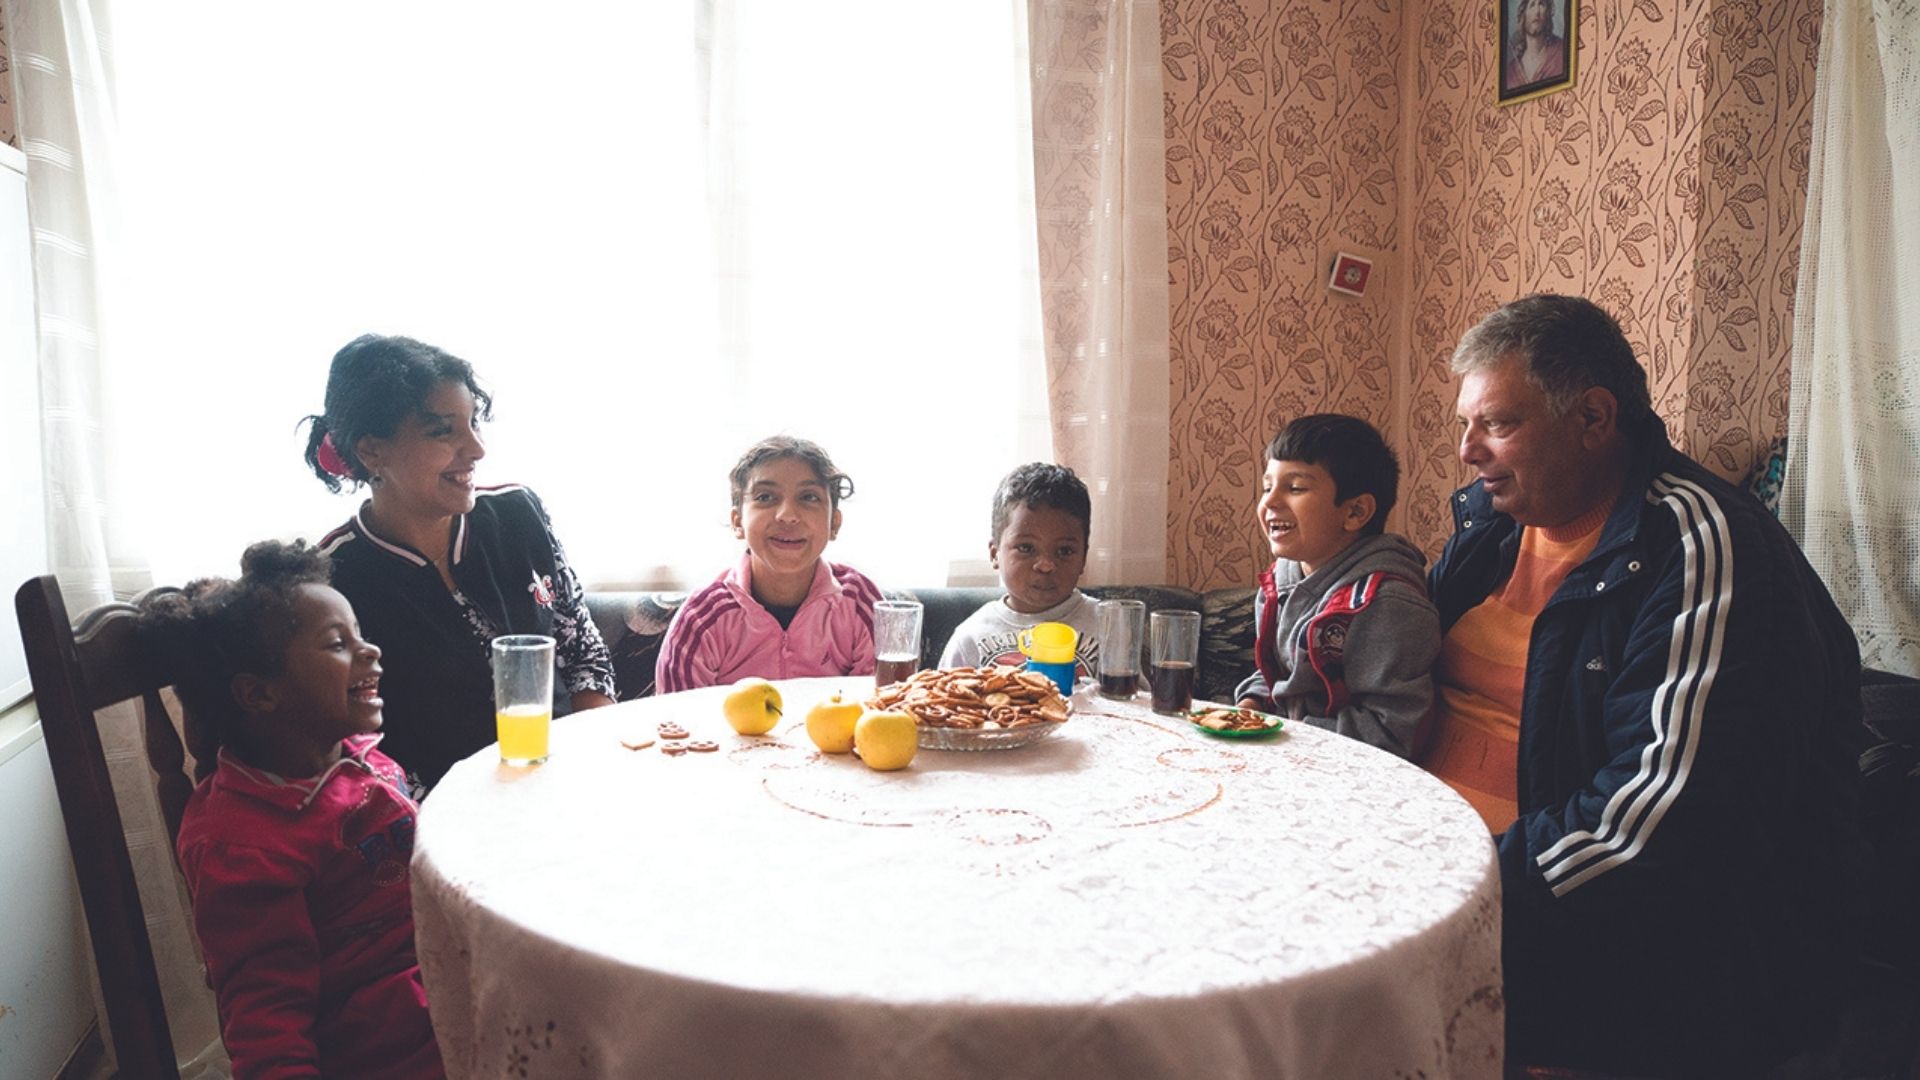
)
(1129, 898)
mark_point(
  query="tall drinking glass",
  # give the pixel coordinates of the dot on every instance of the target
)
(1175, 651)
(523, 696)
(1121, 628)
(896, 640)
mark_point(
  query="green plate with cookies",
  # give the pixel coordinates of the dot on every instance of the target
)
(1223, 722)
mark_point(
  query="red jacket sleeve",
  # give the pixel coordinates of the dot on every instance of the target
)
(263, 958)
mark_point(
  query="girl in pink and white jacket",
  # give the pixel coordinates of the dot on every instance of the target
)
(784, 611)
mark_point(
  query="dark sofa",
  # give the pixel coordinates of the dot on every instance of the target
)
(634, 622)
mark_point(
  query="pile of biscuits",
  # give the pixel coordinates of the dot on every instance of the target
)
(673, 742)
(1235, 720)
(987, 699)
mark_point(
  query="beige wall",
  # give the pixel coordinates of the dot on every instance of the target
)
(1667, 184)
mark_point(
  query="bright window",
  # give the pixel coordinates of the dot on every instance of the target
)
(843, 251)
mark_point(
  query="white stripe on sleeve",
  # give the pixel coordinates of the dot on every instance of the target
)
(1679, 703)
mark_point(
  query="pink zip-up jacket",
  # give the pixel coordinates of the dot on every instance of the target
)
(722, 634)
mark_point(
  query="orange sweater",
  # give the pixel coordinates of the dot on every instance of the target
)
(1483, 669)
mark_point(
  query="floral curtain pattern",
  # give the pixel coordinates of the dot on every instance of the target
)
(1101, 207)
(1667, 184)
(1283, 131)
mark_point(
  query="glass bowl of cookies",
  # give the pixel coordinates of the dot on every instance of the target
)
(991, 708)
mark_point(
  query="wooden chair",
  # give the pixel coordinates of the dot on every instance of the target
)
(77, 669)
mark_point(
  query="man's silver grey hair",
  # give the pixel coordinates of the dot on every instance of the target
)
(1566, 345)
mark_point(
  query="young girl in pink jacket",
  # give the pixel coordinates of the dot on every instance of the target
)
(784, 611)
(295, 844)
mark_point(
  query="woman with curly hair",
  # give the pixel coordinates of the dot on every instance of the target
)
(436, 566)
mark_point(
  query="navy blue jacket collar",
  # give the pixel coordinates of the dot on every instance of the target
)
(1486, 543)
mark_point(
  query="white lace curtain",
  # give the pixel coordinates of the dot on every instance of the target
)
(869, 180)
(223, 193)
(866, 275)
(63, 65)
(1099, 150)
(1853, 434)
(65, 116)
(866, 272)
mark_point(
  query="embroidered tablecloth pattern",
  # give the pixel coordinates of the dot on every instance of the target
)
(1129, 898)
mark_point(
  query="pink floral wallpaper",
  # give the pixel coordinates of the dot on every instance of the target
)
(1284, 132)
(1747, 196)
(1667, 184)
(8, 133)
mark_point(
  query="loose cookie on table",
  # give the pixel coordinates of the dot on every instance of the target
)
(702, 746)
(638, 744)
(673, 749)
(672, 731)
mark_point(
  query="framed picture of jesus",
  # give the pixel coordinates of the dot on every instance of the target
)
(1536, 48)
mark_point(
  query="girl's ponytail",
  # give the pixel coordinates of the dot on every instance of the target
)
(215, 629)
(172, 626)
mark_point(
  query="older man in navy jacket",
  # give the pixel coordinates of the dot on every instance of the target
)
(1679, 813)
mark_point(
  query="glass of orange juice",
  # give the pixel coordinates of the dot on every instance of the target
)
(523, 696)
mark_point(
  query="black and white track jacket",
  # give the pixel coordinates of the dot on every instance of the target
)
(1674, 885)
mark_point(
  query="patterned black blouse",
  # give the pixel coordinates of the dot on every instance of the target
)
(510, 577)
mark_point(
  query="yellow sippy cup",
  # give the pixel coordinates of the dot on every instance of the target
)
(1048, 648)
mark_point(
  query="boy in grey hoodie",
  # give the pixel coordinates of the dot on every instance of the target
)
(1345, 635)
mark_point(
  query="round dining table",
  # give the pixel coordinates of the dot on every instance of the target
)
(1128, 897)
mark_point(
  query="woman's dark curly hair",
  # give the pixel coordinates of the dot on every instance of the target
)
(215, 629)
(374, 384)
(838, 484)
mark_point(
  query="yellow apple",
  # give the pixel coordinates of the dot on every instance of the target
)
(752, 706)
(886, 740)
(830, 724)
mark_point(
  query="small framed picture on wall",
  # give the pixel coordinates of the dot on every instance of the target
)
(1536, 48)
(1349, 274)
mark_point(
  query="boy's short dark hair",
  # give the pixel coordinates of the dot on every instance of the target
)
(1352, 452)
(1041, 483)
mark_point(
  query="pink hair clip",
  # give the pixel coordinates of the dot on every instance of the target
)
(330, 459)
